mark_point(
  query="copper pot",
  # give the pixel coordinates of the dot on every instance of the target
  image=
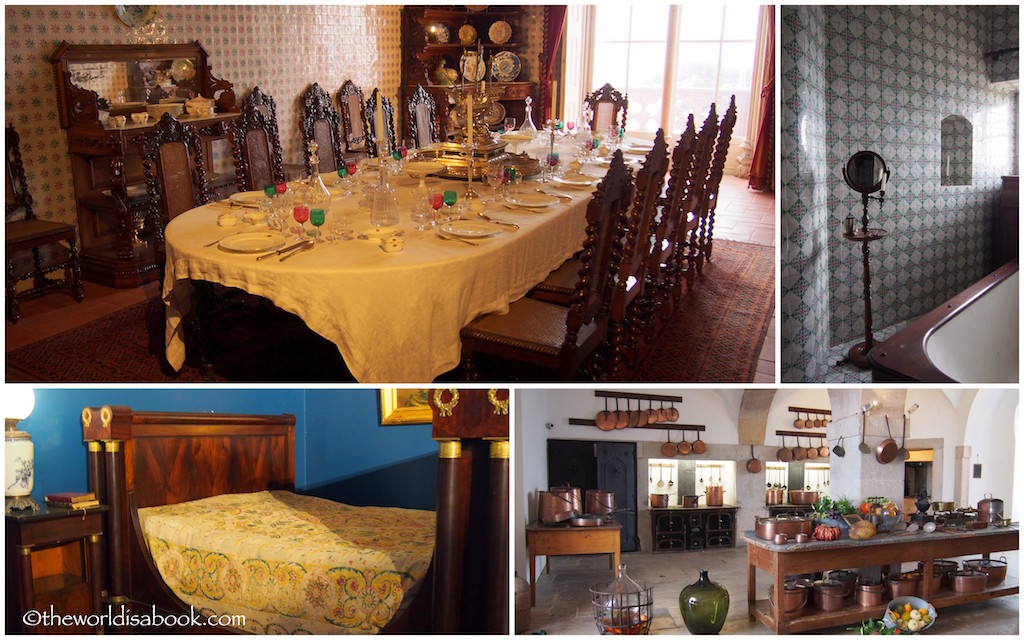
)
(968, 581)
(942, 570)
(793, 600)
(552, 508)
(869, 594)
(994, 569)
(690, 502)
(766, 528)
(714, 494)
(659, 500)
(803, 497)
(600, 503)
(773, 496)
(828, 595)
(905, 584)
(572, 495)
(847, 578)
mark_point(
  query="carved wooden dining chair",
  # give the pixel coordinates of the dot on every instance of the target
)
(321, 123)
(608, 106)
(256, 144)
(53, 245)
(710, 201)
(352, 105)
(388, 114)
(172, 163)
(554, 337)
(423, 125)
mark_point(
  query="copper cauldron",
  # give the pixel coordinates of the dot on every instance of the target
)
(600, 503)
(553, 508)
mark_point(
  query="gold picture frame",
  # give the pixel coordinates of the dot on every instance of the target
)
(404, 406)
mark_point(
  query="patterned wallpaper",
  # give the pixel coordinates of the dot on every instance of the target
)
(281, 47)
(804, 222)
(891, 75)
(1005, 34)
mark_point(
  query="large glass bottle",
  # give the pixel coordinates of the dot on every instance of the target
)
(704, 605)
(528, 126)
(316, 195)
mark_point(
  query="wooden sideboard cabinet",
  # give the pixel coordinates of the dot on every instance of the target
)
(693, 528)
(106, 168)
(423, 53)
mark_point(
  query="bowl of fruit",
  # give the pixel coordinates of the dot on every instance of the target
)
(909, 614)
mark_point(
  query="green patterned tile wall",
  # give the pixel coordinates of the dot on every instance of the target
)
(891, 75)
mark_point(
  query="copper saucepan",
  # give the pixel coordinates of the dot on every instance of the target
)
(799, 453)
(887, 449)
(799, 422)
(673, 413)
(605, 419)
(621, 417)
(822, 448)
(753, 465)
(684, 447)
(784, 454)
(699, 446)
(812, 451)
(669, 449)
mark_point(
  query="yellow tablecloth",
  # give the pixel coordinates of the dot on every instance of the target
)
(394, 317)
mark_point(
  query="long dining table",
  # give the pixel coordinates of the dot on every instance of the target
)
(395, 317)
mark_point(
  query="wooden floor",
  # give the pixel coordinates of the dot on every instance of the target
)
(742, 215)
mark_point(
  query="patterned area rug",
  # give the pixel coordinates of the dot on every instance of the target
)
(716, 334)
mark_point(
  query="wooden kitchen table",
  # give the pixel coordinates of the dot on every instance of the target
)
(564, 540)
(781, 560)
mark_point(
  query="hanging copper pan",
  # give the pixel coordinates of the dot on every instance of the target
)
(812, 451)
(621, 417)
(605, 419)
(817, 422)
(784, 454)
(799, 422)
(633, 417)
(822, 448)
(799, 453)
(887, 449)
(669, 449)
(699, 446)
(753, 465)
(672, 413)
(645, 417)
(684, 446)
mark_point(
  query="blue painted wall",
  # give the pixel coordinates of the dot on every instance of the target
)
(340, 449)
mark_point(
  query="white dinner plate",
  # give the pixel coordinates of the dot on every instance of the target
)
(637, 151)
(247, 198)
(533, 200)
(252, 242)
(470, 229)
(576, 180)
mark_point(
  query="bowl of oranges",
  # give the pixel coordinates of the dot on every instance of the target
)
(909, 614)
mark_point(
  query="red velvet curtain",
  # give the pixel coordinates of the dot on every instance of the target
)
(552, 38)
(762, 164)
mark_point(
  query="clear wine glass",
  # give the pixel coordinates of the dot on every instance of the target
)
(510, 124)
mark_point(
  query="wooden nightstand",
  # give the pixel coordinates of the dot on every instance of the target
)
(53, 560)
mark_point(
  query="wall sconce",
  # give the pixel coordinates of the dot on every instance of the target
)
(19, 454)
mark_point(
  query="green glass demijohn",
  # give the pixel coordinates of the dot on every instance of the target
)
(704, 605)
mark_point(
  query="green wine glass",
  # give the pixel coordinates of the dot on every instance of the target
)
(317, 219)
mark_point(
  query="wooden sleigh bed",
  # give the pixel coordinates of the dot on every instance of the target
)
(142, 459)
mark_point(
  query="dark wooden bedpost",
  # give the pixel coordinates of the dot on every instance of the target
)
(471, 554)
(452, 529)
(497, 536)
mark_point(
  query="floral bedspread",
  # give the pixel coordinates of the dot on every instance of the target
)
(290, 563)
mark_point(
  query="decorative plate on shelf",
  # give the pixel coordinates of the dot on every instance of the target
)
(500, 32)
(494, 113)
(136, 15)
(467, 34)
(505, 66)
(440, 33)
(473, 68)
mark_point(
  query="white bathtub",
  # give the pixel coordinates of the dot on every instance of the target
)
(972, 337)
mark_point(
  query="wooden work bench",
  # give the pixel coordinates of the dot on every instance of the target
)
(781, 560)
(564, 540)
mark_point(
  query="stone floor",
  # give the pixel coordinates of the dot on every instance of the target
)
(563, 604)
(847, 372)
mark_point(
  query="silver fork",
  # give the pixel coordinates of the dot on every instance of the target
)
(444, 237)
(306, 247)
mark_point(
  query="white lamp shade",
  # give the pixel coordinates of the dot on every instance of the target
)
(19, 466)
(19, 400)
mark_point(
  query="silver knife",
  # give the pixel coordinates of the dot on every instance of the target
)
(306, 247)
(295, 246)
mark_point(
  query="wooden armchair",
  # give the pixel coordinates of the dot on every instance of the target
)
(172, 162)
(423, 125)
(350, 101)
(551, 336)
(23, 231)
(256, 144)
(609, 108)
(388, 113)
(710, 201)
(320, 122)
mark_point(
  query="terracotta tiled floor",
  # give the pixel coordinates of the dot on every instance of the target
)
(742, 215)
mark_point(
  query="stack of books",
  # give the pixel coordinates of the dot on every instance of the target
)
(72, 500)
